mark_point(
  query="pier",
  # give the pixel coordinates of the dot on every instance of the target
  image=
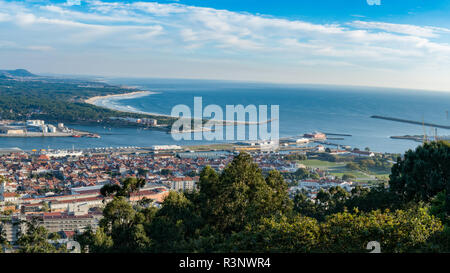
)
(336, 134)
(413, 122)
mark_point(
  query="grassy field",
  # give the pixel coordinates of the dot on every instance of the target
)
(314, 163)
(339, 169)
(383, 176)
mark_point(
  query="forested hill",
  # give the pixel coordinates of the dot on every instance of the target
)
(24, 95)
(17, 73)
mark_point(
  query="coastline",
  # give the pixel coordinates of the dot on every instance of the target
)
(134, 94)
(101, 101)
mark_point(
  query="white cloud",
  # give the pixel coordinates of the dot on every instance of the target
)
(413, 30)
(159, 9)
(238, 31)
(199, 32)
(4, 17)
(39, 48)
(14, 46)
(73, 3)
(25, 18)
(7, 44)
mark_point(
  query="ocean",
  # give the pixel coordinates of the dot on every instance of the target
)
(303, 109)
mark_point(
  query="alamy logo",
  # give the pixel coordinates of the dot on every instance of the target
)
(374, 2)
(374, 246)
(208, 123)
(73, 247)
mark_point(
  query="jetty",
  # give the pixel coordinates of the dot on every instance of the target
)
(417, 138)
(336, 134)
(413, 122)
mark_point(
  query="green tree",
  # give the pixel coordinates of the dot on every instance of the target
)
(128, 186)
(45, 207)
(192, 174)
(438, 207)
(399, 231)
(422, 173)
(35, 240)
(368, 199)
(352, 166)
(283, 234)
(243, 195)
(142, 172)
(278, 198)
(124, 225)
(348, 176)
(176, 222)
(166, 172)
(439, 242)
(305, 206)
(241, 210)
(296, 156)
(3, 240)
(209, 187)
(331, 201)
(94, 241)
(54, 236)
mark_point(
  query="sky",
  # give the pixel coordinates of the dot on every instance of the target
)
(387, 43)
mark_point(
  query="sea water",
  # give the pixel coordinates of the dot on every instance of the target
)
(302, 109)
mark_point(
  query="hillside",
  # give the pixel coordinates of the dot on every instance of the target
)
(55, 99)
(17, 73)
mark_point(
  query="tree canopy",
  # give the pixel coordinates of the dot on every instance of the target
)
(242, 210)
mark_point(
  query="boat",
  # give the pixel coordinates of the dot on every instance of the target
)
(93, 136)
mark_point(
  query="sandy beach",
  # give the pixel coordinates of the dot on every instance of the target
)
(135, 94)
(107, 102)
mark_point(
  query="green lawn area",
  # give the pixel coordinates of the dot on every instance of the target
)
(339, 169)
(314, 163)
(383, 176)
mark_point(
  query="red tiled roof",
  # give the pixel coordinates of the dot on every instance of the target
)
(9, 194)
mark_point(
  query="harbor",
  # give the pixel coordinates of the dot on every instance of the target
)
(38, 128)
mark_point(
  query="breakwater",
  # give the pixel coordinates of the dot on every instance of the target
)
(413, 122)
(335, 134)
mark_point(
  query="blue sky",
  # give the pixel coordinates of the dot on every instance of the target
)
(398, 43)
